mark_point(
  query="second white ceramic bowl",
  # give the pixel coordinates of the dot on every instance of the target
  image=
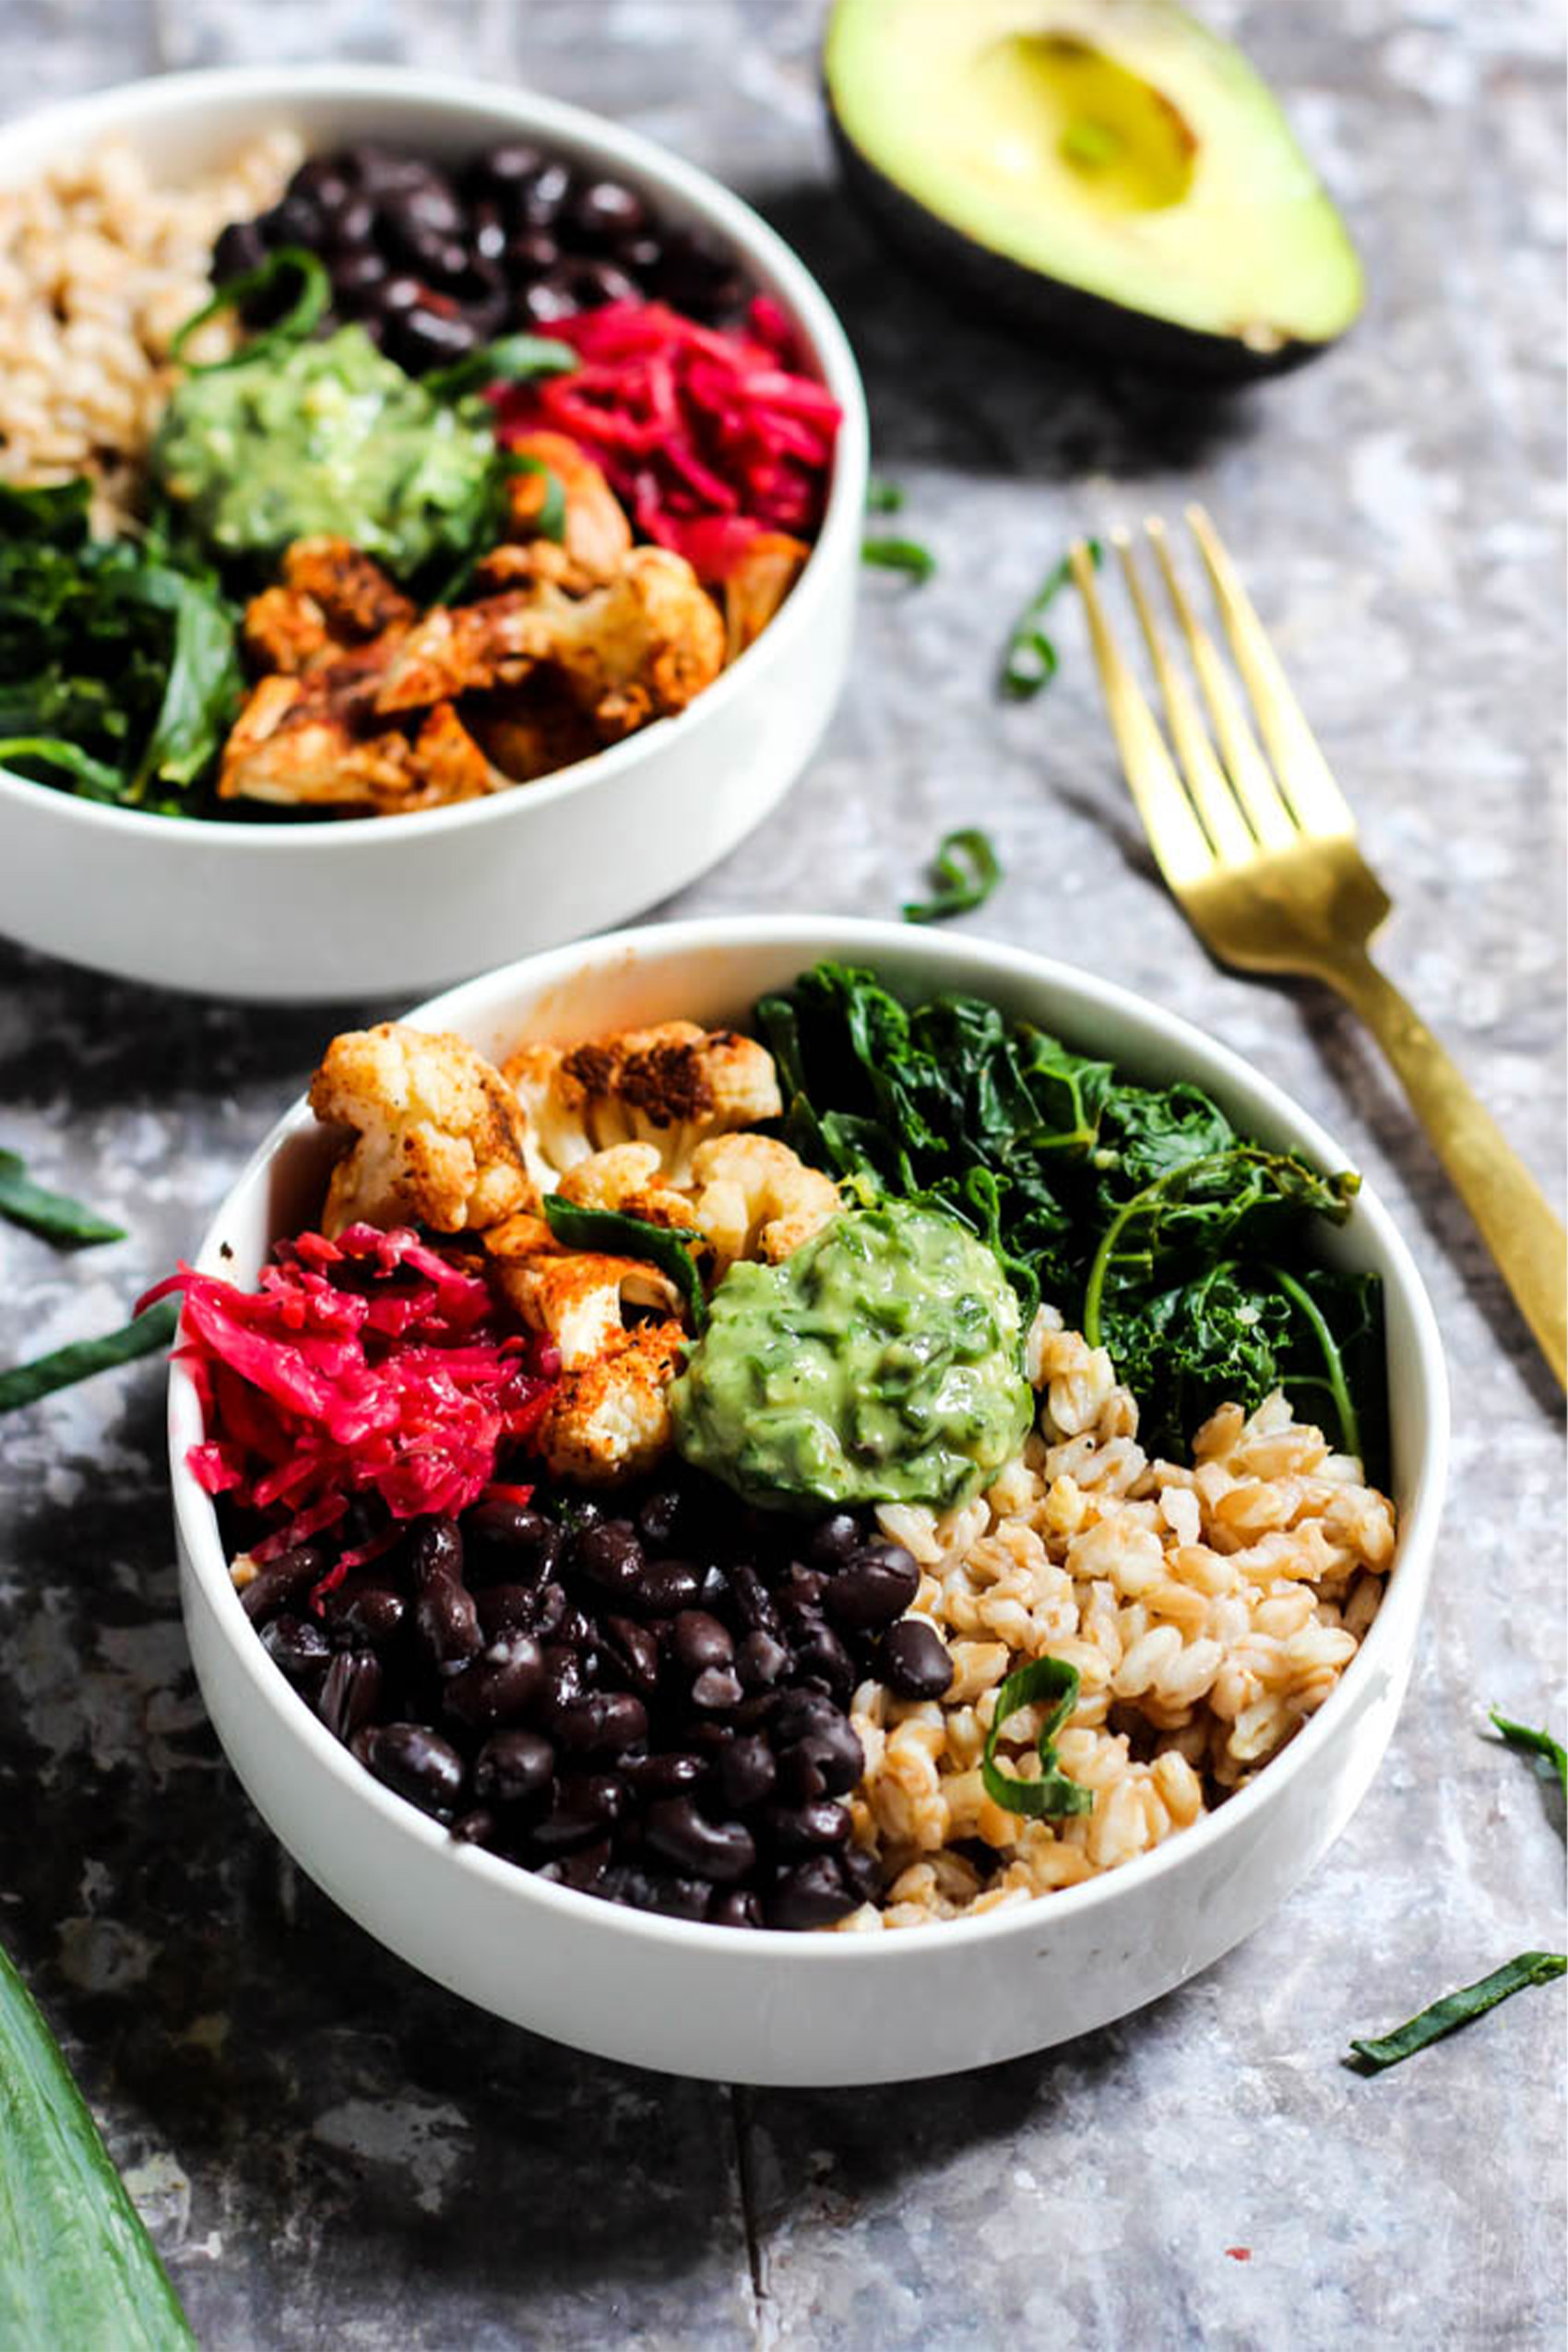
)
(389, 906)
(809, 2008)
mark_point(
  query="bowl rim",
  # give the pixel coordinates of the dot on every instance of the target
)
(196, 1520)
(101, 113)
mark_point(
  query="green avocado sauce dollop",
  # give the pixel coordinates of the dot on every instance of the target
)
(326, 437)
(880, 1363)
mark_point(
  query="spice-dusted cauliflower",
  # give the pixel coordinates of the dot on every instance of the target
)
(627, 1179)
(611, 1419)
(751, 1193)
(440, 1137)
(573, 1295)
(672, 1085)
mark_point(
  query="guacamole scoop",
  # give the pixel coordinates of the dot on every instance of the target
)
(324, 438)
(880, 1363)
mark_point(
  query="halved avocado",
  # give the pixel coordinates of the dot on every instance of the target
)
(1103, 170)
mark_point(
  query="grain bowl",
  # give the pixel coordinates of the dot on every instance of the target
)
(1136, 1882)
(106, 206)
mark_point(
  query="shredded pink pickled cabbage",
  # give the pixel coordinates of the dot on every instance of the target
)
(369, 1364)
(690, 424)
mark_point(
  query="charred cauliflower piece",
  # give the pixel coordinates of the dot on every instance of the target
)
(627, 1179)
(574, 1296)
(611, 1419)
(751, 1195)
(440, 1138)
(672, 1087)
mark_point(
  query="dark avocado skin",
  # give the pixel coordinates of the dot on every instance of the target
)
(1050, 313)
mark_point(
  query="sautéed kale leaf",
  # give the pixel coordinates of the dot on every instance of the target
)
(1165, 1236)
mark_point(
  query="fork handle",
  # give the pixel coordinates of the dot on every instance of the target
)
(1519, 1229)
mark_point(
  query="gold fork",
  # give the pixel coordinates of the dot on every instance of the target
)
(1261, 854)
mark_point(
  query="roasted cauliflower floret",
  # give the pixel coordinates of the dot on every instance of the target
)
(440, 1137)
(672, 1087)
(611, 1419)
(751, 1193)
(627, 1179)
(576, 1296)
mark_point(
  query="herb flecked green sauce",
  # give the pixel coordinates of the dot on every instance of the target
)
(324, 437)
(880, 1363)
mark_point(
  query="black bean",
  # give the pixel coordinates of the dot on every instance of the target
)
(502, 1684)
(635, 1650)
(592, 282)
(586, 1804)
(358, 280)
(834, 1538)
(545, 195)
(525, 1541)
(608, 1554)
(663, 1775)
(760, 1662)
(385, 172)
(322, 181)
(552, 1610)
(437, 1550)
(714, 1593)
(240, 246)
(700, 1641)
(529, 253)
(297, 1644)
(601, 1721)
(585, 1870)
(664, 1586)
(438, 260)
(419, 1763)
(512, 1766)
(509, 166)
(805, 1829)
(506, 1608)
(564, 1678)
(289, 1575)
(912, 1660)
(746, 1772)
(660, 1516)
(366, 1609)
(545, 301)
(799, 1588)
(640, 258)
(478, 1828)
(351, 1694)
(718, 1850)
(864, 1872)
(432, 205)
(605, 210)
(422, 338)
(801, 1712)
(824, 1762)
(872, 1588)
(402, 293)
(752, 1598)
(446, 1623)
(733, 1907)
(293, 220)
(820, 1656)
(350, 231)
(487, 231)
(810, 1895)
(716, 1688)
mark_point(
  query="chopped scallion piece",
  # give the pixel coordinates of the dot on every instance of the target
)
(966, 870)
(1539, 1743)
(1456, 2009)
(905, 555)
(883, 497)
(24, 1384)
(54, 1215)
(308, 307)
(1054, 1795)
(1031, 662)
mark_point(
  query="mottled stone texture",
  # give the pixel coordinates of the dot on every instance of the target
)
(333, 2152)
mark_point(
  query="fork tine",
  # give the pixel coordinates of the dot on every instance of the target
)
(1254, 787)
(1212, 796)
(1320, 805)
(1174, 834)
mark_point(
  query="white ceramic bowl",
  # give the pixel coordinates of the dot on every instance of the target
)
(391, 905)
(803, 2009)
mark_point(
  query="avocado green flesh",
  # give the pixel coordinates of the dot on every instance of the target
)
(324, 437)
(879, 1364)
(1113, 150)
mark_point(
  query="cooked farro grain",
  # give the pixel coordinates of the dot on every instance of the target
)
(98, 266)
(1208, 1610)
